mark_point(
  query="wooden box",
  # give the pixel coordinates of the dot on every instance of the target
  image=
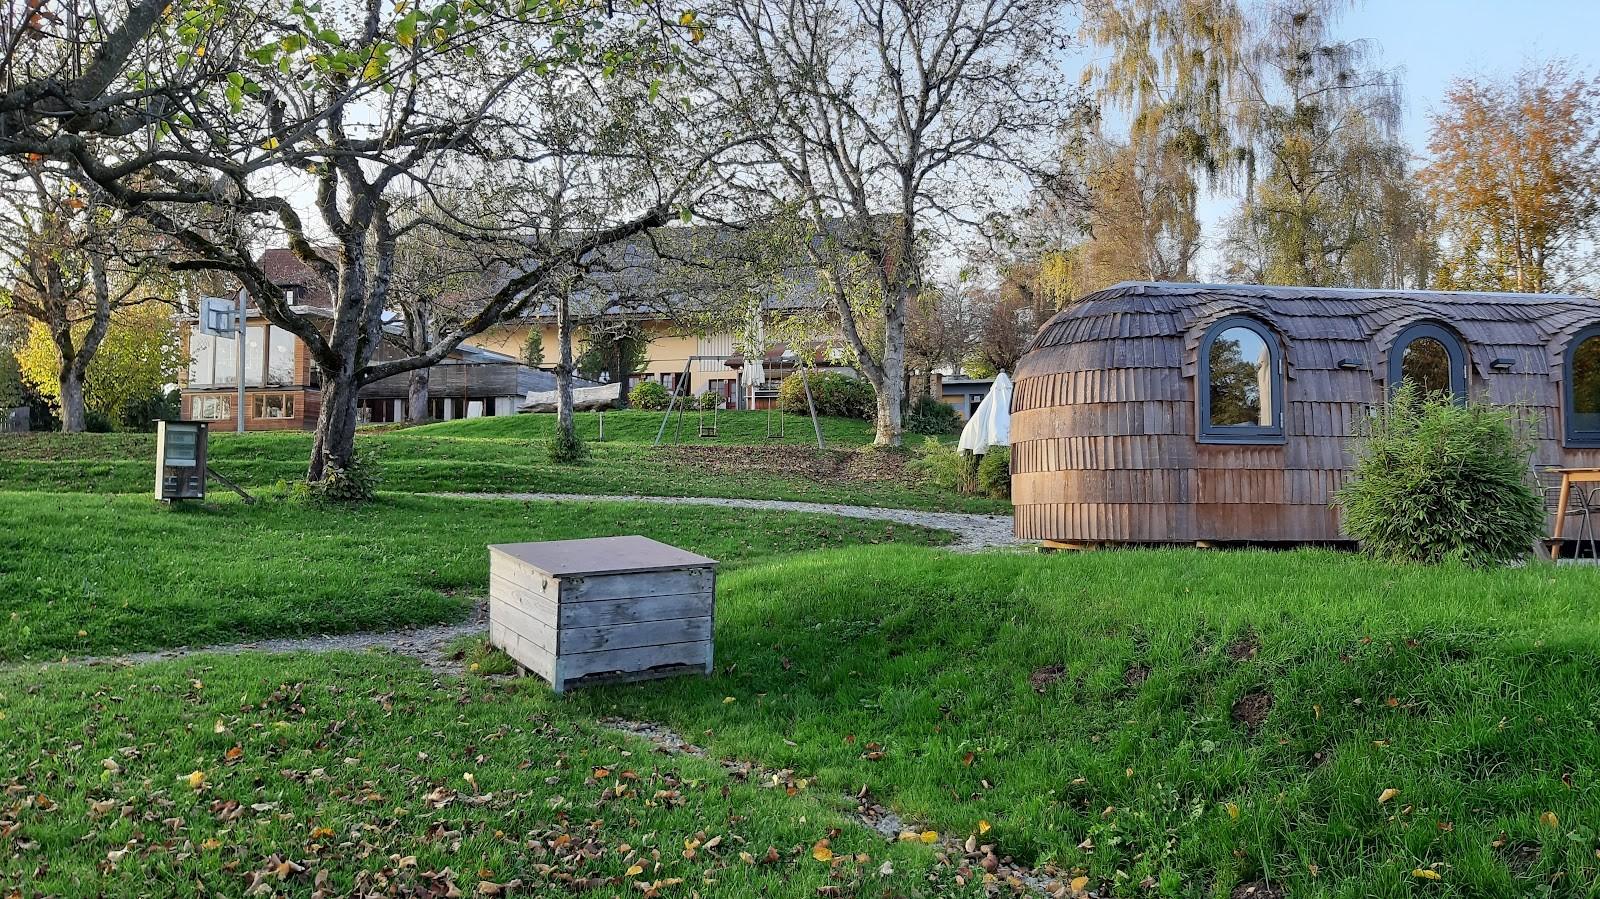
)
(602, 610)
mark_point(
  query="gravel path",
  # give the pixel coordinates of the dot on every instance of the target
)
(973, 532)
(429, 644)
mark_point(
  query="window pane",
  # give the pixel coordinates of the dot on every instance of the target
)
(1425, 362)
(202, 350)
(1241, 380)
(211, 408)
(1585, 374)
(255, 354)
(280, 357)
(227, 366)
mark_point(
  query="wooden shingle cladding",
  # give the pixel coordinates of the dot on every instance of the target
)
(1104, 429)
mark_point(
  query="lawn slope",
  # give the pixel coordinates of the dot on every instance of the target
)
(94, 574)
(342, 775)
(1196, 722)
(511, 454)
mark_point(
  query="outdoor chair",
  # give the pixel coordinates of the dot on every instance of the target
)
(1581, 504)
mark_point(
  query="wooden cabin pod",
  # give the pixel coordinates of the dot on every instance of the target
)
(1182, 413)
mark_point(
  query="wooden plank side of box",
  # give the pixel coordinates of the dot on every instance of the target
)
(645, 583)
(631, 636)
(635, 660)
(514, 593)
(635, 609)
(522, 651)
(525, 576)
(517, 620)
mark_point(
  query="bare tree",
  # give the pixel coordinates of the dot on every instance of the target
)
(355, 104)
(887, 122)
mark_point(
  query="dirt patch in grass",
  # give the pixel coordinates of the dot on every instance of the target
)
(1251, 709)
(794, 461)
(1043, 678)
(1243, 648)
(1136, 675)
(1260, 889)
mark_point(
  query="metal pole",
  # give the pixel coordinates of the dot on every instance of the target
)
(241, 337)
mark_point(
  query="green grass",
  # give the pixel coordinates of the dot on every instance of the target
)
(1085, 706)
(95, 574)
(214, 774)
(506, 454)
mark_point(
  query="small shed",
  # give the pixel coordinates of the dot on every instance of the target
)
(1184, 413)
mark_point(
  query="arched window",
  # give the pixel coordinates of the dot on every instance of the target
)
(1431, 358)
(1241, 384)
(1581, 388)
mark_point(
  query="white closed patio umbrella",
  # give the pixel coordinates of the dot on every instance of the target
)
(991, 424)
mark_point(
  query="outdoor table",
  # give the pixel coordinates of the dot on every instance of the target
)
(1569, 476)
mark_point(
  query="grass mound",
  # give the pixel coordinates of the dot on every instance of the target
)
(1193, 722)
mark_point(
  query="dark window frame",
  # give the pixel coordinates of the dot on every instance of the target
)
(1453, 345)
(1571, 436)
(1240, 434)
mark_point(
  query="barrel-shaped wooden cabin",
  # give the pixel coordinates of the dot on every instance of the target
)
(1184, 413)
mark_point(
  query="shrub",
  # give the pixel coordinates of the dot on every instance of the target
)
(355, 483)
(945, 466)
(1435, 481)
(708, 401)
(833, 393)
(567, 448)
(930, 416)
(649, 395)
(994, 473)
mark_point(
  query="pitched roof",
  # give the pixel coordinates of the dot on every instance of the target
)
(285, 269)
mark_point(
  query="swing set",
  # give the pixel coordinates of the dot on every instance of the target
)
(708, 430)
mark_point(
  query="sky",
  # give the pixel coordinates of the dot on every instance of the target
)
(1435, 41)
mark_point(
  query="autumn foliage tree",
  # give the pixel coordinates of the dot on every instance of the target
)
(1515, 176)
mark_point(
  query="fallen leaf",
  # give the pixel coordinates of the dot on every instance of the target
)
(930, 836)
(1426, 874)
(634, 871)
(1233, 810)
(1549, 819)
(1387, 795)
(983, 826)
(821, 852)
(196, 779)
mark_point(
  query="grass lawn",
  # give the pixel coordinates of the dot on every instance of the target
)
(508, 454)
(1190, 721)
(339, 774)
(84, 574)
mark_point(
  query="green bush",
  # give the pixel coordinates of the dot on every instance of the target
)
(945, 466)
(650, 396)
(708, 401)
(930, 416)
(1435, 481)
(355, 483)
(994, 473)
(834, 394)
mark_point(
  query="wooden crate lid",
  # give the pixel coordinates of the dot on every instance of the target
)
(602, 555)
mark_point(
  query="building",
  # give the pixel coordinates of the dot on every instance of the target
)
(1182, 413)
(679, 309)
(282, 386)
(962, 394)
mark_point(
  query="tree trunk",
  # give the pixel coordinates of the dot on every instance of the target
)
(417, 397)
(73, 418)
(891, 393)
(334, 443)
(565, 426)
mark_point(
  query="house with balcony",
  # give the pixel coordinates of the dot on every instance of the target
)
(283, 390)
